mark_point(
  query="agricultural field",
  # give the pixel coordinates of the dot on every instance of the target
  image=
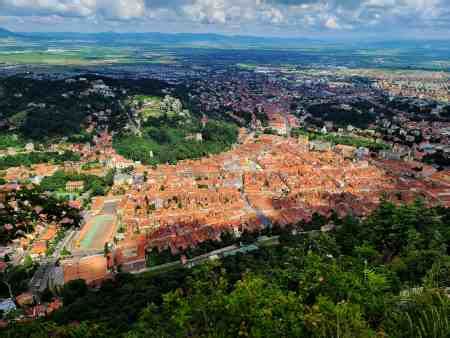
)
(62, 57)
(59, 55)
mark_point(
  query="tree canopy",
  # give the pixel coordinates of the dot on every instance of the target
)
(381, 276)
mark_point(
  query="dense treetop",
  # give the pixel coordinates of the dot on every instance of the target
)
(168, 139)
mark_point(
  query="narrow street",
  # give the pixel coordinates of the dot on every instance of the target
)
(261, 217)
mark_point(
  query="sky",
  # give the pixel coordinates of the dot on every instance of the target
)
(290, 18)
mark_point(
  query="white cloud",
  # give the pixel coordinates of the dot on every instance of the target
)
(331, 23)
(206, 11)
(43, 7)
(121, 9)
(307, 15)
(274, 15)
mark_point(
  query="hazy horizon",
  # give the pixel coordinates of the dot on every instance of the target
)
(324, 38)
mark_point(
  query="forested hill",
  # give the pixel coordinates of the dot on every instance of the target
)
(45, 109)
(385, 276)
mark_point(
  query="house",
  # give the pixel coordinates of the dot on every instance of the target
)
(39, 248)
(29, 147)
(74, 186)
(317, 145)
(346, 151)
(92, 269)
(118, 162)
(122, 179)
(394, 155)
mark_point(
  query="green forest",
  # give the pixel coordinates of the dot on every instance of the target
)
(358, 115)
(168, 139)
(344, 139)
(44, 110)
(28, 159)
(95, 184)
(385, 276)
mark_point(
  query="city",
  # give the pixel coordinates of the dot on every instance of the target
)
(151, 182)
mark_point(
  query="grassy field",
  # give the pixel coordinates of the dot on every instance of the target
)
(99, 232)
(150, 105)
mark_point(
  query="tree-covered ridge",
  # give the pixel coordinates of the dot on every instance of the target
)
(168, 139)
(384, 276)
(28, 159)
(52, 109)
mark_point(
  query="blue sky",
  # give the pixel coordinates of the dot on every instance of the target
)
(324, 18)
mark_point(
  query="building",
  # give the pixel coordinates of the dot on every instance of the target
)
(93, 269)
(317, 145)
(362, 153)
(74, 186)
(345, 151)
(123, 179)
(39, 248)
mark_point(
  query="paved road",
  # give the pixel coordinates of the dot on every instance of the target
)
(63, 243)
(110, 207)
(39, 282)
(190, 263)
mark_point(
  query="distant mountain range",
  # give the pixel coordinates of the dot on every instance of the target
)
(4, 33)
(192, 40)
(167, 39)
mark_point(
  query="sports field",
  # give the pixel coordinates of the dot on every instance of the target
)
(97, 232)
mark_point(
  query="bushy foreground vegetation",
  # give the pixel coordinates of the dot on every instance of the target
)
(381, 277)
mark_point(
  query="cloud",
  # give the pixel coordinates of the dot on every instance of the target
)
(121, 9)
(207, 11)
(331, 23)
(48, 7)
(289, 15)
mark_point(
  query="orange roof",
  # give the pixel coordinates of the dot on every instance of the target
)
(39, 248)
(49, 234)
(90, 268)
